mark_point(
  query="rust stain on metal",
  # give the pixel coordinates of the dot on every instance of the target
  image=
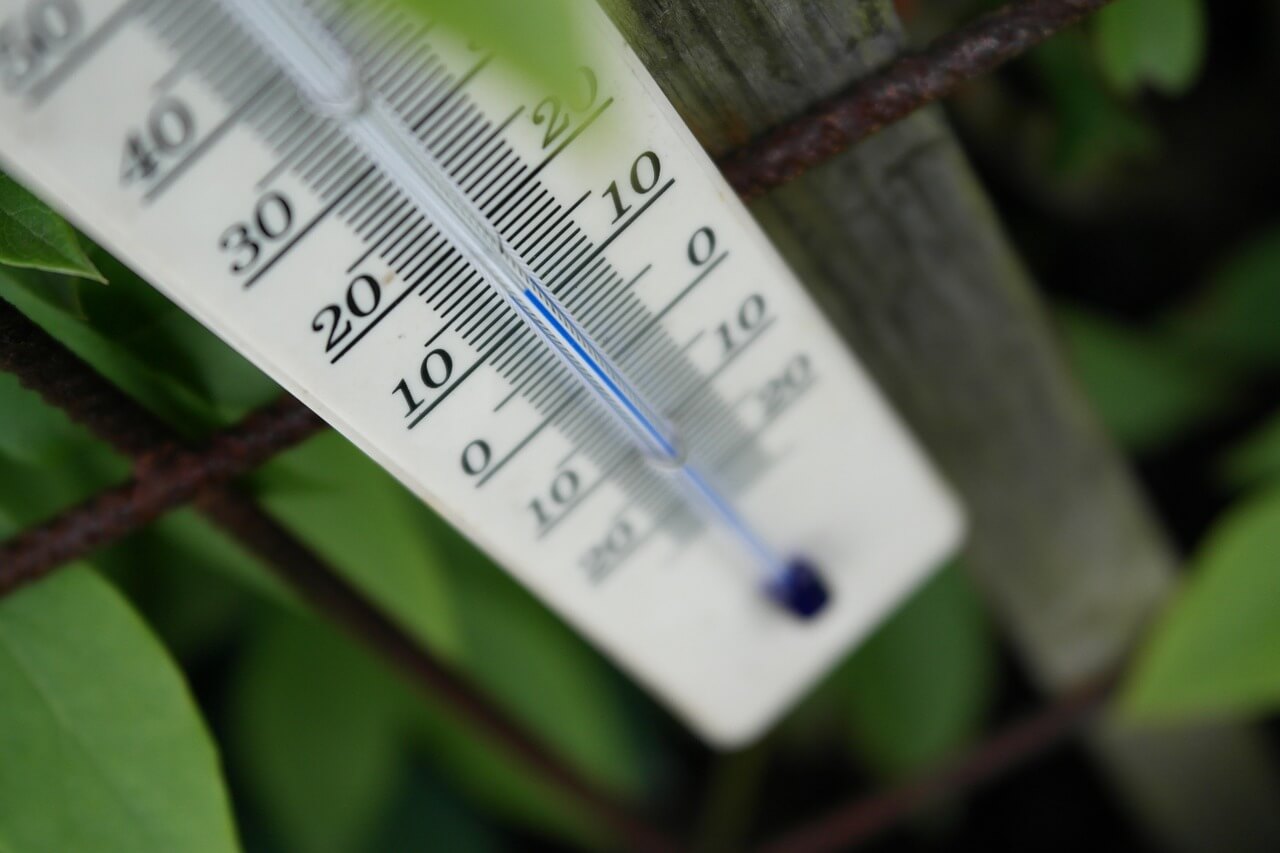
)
(868, 816)
(166, 476)
(897, 91)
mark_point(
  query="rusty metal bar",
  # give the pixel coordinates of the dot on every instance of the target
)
(166, 477)
(866, 817)
(905, 85)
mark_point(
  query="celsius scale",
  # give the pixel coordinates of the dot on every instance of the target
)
(545, 313)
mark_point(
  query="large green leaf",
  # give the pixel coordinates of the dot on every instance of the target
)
(367, 525)
(101, 746)
(1146, 388)
(32, 235)
(1157, 43)
(1216, 651)
(918, 689)
(318, 735)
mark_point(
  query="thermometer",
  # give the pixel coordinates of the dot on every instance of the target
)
(545, 313)
(326, 75)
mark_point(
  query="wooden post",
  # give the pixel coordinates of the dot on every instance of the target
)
(900, 246)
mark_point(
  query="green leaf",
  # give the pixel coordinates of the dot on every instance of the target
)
(1216, 651)
(1147, 389)
(1093, 136)
(204, 602)
(540, 669)
(541, 40)
(33, 236)
(147, 381)
(319, 724)
(32, 431)
(141, 320)
(188, 539)
(104, 748)
(1234, 320)
(144, 344)
(1257, 460)
(1156, 43)
(547, 677)
(318, 734)
(488, 777)
(918, 689)
(33, 492)
(368, 526)
(456, 602)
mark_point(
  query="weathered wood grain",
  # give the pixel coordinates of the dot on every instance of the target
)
(898, 243)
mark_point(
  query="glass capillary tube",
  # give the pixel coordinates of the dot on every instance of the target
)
(328, 78)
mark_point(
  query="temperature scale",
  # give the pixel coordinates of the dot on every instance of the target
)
(545, 313)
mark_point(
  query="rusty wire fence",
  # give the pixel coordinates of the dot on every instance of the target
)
(168, 474)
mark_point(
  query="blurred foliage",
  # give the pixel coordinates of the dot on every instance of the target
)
(324, 776)
(194, 585)
(1078, 140)
(1216, 652)
(1233, 322)
(1199, 360)
(389, 555)
(1090, 131)
(1257, 459)
(1147, 388)
(1157, 43)
(328, 750)
(920, 687)
(143, 343)
(915, 692)
(541, 40)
